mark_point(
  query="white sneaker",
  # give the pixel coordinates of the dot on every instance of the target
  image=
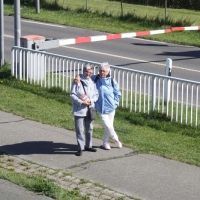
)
(106, 146)
(118, 144)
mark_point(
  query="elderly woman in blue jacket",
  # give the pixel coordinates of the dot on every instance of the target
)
(109, 96)
(84, 95)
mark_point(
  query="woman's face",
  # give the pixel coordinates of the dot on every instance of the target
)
(87, 74)
(103, 72)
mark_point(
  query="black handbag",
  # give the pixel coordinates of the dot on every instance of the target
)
(92, 113)
(91, 110)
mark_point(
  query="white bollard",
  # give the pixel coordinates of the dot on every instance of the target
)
(167, 86)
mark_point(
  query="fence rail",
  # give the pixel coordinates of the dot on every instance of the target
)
(141, 91)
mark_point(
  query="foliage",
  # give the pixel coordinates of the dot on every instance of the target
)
(131, 17)
(159, 121)
(55, 93)
(5, 71)
(192, 4)
(156, 21)
(27, 2)
(43, 3)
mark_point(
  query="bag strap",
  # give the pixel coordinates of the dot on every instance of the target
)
(84, 90)
(83, 87)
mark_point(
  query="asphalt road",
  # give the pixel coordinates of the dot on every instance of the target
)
(134, 53)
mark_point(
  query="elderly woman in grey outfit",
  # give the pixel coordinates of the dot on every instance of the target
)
(82, 98)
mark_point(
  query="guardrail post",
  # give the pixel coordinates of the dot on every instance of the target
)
(153, 92)
(2, 62)
(168, 72)
(36, 65)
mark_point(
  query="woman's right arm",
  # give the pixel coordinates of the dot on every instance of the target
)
(74, 97)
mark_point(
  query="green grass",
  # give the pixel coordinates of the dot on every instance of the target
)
(178, 112)
(114, 8)
(144, 134)
(107, 18)
(154, 133)
(40, 186)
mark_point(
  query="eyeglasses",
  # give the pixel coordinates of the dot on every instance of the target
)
(103, 71)
(89, 72)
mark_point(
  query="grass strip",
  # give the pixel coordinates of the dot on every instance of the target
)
(153, 133)
(40, 186)
(102, 20)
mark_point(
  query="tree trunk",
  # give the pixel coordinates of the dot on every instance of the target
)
(86, 6)
(122, 8)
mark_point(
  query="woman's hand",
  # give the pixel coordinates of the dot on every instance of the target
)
(87, 102)
(77, 79)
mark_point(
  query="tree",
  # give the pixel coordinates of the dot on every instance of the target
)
(122, 8)
(86, 6)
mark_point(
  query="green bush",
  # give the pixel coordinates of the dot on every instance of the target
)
(27, 2)
(192, 4)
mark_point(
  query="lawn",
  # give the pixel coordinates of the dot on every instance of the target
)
(107, 18)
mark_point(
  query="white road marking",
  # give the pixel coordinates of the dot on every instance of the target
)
(117, 56)
(127, 58)
(9, 36)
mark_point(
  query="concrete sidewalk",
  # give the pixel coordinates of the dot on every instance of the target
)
(138, 175)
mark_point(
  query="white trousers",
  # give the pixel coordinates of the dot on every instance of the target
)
(107, 121)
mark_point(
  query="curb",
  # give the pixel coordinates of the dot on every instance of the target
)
(62, 178)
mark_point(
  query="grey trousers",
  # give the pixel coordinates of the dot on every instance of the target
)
(84, 130)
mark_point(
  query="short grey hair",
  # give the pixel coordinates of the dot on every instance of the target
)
(87, 67)
(106, 65)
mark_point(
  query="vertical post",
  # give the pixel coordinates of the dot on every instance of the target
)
(153, 92)
(37, 6)
(1, 34)
(122, 8)
(86, 6)
(168, 71)
(165, 11)
(17, 23)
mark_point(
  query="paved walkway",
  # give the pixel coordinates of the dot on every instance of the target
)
(37, 148)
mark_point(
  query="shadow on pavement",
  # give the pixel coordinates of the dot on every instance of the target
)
(39, 147)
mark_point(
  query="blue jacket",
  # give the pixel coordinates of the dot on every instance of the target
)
(77, 96)
(109, 95)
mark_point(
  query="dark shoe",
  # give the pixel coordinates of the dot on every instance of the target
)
(90, 149)
(78, 153)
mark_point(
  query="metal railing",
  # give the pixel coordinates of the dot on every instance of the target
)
(141, 91)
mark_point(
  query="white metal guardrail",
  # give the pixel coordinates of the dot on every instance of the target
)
(141, 91)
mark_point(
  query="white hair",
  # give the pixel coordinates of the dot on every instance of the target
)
(87, 67)
(105, 64)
